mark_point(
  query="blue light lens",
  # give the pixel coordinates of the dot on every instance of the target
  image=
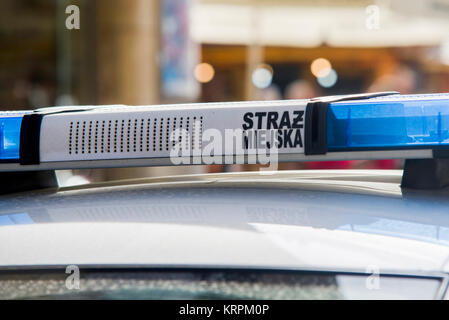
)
(10, 137)
(382, 123)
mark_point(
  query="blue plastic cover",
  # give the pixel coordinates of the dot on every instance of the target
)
(390, 122)
(10, 137)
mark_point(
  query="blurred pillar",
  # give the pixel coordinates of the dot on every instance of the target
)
(254, 52)
(127, 51)
(254, 57)
(127, 33)
(64, 53)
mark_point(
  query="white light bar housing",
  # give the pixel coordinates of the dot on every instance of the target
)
(128, 136)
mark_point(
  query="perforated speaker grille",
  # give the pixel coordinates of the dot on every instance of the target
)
(135, 135)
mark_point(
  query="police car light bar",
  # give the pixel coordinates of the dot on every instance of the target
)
(368, 126)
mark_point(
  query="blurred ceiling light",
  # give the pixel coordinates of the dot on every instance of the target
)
(204, 72)
(329, 80)
(262, 76)
(320, 67)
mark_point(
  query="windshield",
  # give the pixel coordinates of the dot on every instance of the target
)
(211, 284)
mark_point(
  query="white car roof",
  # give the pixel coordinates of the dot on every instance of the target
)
(314, 220)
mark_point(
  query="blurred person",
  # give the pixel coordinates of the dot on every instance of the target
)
(33, 91)
(40, 87)
(298, 90)
(271, 93)
(21, 90)
(303, 89)
(404, 80)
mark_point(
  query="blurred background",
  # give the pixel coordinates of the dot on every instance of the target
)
(168, 51)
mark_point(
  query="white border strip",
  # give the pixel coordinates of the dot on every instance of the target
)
(154, 162)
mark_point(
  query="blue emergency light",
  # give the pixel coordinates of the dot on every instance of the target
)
(389, 122)
(10, 137)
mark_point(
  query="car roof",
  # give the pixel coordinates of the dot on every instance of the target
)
(316, 220)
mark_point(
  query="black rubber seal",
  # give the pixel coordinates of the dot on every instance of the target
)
(315, 129)
(440, 153)
(30, 132)
(316, 115)
(27, 181)
(425, 174)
